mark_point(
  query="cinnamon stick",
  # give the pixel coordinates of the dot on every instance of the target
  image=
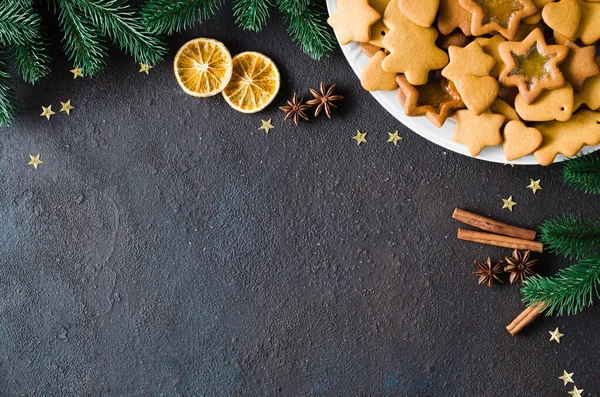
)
(491, 225)
(499, 240)
(524, 319)
(370, 49)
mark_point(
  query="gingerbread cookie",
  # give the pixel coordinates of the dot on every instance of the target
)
(421, 12)
(557, 104)
(412, 48)
(378, 29)
(374, 78)
(501, 107)
(579, 64)
(532, 65)
(537, 17)
(490, 47)
(590, 93)
(478, 93)
(436, 100)
(589, 27)
(477, 132)
(503, 17)
(352, 20)
(520, 140)
(451, 16)
(468, 60)
(568, 137)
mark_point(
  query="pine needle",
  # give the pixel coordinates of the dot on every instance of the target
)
(583, 173)
(252, 15)
(571, 236)
(569, 292)
(8, 101)
(169, 16)
(307, 25)
(17, 23)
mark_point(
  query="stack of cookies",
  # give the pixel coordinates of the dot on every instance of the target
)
(519, 73)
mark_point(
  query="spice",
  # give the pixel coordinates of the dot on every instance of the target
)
(295, 108)
(520, 266)
(324, 99)
(488, 271)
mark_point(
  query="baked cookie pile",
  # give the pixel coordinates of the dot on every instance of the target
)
(519, 73)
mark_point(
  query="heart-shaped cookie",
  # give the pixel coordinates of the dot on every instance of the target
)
(563, 17)
(520, 140)
(478, 93)
(421, 12)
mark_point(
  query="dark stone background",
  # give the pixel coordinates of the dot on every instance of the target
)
(167, 247)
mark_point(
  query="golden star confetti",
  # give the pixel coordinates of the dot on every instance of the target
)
(534, 185)
(556, 335)
(266, 125)
(360, 137)
(394, 137)
(576, 392)
(66, 107)
(508, 203)
(35, 161)
(144, 68)
(77, 72)
(47, 112)
(567, 377)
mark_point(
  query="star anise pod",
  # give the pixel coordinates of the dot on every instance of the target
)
(488, 271)
(520, 265)
(295, 109)
(324, 99)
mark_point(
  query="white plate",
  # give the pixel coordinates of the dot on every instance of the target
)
(422, 125)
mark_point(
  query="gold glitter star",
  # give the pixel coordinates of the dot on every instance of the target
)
(556, 335)
(576, 392)
(360, 137)
(508, 203)
(145, 68)
(66, 107)
(35, 161)
(394, 137)
(47, 111)
(77, 72)
(534, 185)
(266, 125)
(567, 377)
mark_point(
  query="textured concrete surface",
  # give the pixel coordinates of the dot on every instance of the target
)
(167, 247)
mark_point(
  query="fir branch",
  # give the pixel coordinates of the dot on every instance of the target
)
(570, 291)
(252, 15)
(169, 16)
(117, 20)
(17, 23)
(8, 101)
(571, 236)
(583, 173)
(307, 25)
(32, 56)
(82, 41)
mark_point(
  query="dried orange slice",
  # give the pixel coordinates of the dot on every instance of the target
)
(203, 67)
(254, 82)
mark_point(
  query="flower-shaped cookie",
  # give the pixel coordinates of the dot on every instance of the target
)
(532, 65)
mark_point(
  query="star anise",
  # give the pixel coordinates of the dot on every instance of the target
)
(324, 99)
(295, 109)
(488, 271)
(520, 265)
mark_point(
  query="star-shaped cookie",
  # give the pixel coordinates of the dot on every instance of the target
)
(590, 94)
(468, 60)
(352, 20)
(503, 17)
(579, 65)
(477, 132)
(436, 100)
(532, 65)
(412, 50)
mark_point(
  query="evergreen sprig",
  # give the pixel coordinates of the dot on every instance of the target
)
(583, 173)
(17, 23)
(169, 16)
(571, 236)
(307, 25)
(8, 101)
(569, 292)
(252, 15)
